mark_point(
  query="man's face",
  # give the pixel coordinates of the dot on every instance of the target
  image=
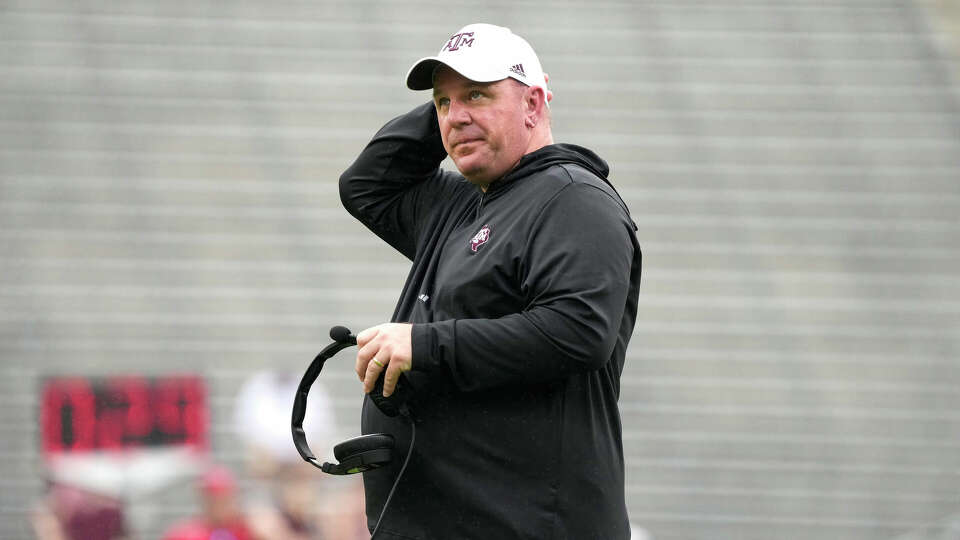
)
(482, 124)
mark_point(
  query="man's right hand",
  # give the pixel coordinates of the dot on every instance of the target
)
(385, 347)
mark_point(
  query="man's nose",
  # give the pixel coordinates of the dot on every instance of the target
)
(458, 113)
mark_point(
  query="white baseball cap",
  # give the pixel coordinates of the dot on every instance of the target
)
(482, 53)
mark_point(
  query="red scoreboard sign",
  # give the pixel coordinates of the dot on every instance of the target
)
(84, 414)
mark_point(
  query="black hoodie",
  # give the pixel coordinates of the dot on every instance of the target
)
(523, 301)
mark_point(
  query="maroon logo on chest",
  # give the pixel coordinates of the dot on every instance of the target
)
(459, 40)
(480, 238)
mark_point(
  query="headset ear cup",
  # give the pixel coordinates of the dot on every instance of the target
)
(363, 443)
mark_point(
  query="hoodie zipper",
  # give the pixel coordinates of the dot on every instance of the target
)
(480, 206)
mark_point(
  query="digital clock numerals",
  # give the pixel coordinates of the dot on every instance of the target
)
(115, 413)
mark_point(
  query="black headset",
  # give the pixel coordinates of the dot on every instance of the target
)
(363, 453)
(359, 454)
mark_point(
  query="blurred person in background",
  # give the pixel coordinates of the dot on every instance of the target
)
(288, 500)
(72, 513)
(221, 517)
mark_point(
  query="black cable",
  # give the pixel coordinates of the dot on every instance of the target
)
(413, 438)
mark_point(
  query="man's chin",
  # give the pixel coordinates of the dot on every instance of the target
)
(471, 175)
(470, 169)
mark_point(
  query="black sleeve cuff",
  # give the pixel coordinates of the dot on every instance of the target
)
(430, 343)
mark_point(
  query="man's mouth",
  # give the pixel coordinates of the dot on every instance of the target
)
(466, 141)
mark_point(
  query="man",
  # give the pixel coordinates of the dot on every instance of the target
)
(512, 327)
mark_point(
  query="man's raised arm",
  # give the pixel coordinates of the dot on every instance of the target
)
(396, 179)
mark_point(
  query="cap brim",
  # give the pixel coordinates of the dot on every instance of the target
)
(420, 76)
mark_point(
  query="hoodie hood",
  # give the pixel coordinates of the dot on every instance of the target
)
(554, 154)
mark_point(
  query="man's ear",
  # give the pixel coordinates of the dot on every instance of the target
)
(534, 101)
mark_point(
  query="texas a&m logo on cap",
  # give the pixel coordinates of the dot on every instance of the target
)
(464, 39)
(480, 238)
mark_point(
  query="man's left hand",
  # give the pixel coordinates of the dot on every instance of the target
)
(385, 347)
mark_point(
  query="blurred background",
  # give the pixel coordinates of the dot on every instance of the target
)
(173, 252)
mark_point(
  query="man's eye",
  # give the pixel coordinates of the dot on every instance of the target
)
(475, 94)
(443, 102)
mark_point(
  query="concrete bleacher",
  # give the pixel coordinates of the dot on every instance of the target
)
(168, 203)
